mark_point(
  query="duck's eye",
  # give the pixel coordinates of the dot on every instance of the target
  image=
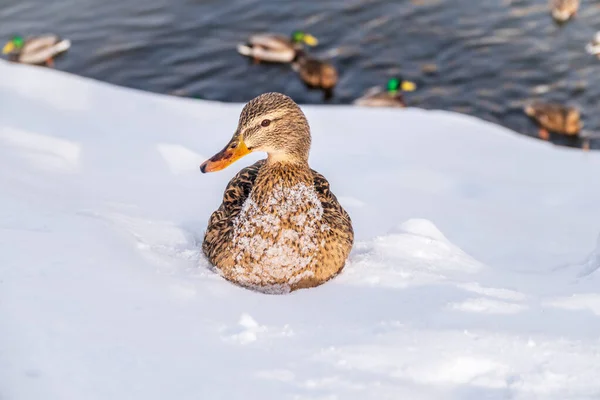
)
(265, 122)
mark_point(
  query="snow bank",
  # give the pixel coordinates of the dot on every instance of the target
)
(473, 275)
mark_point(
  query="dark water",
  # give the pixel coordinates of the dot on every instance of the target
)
(491, 55)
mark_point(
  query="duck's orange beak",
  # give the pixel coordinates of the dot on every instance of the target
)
(234, 150)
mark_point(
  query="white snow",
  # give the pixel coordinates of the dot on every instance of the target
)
(42, 151)
(474, 274)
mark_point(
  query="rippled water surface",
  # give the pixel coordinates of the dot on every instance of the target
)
(491, 55)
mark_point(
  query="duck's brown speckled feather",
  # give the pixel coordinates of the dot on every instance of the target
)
(218, 241)
(316, 73)
(556, 117)
(220, 224)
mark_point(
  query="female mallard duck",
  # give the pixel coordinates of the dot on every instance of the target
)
(563, 10)
(315, 74)
(279, 227)
(275, 48)
(555, 118)
(391, 97)
(36, 49)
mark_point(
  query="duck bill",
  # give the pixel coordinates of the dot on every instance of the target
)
(234, 150)
(8, 48)
(310, 40)
(408, 86)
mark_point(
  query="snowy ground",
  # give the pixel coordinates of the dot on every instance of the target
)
(474, 275)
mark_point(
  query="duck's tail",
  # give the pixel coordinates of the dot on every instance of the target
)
(593, 48)
(529, 110)
(63, 45)
(244, 49)
(329, 77)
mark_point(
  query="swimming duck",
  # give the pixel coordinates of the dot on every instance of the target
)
(274, 47)
(593, 47)
(555, 118)
(279, 227)
(316, 74)
(391, 97)
(563, 10)
(35, 49)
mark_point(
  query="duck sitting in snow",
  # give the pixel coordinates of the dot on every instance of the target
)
(279, 227)
(555, 118)
(563, 10)
(35, 49)
(391, 97)
(316, 74)
(275, 48)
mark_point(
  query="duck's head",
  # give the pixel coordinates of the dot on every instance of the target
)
(397, 84)
(13, 45)
(300, 37)
(271, 122)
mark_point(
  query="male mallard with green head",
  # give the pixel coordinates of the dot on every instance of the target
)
(279, 227)
(390, 97)
(564, 10)
(276, 48)
(35, 49)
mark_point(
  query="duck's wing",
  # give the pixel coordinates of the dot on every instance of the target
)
(40, 43)
(41, 48)
(270, 41)
(333, 213)
(375, 91)
(377, 97)
(316, 73)
(550, 115)
(220, 226)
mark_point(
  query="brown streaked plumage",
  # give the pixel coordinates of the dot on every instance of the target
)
(315, 73)
(555, 118)
(279, 227)
(563, 10)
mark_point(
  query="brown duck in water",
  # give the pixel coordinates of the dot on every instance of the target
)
(555, 118)
(315, 73)
(279, 228)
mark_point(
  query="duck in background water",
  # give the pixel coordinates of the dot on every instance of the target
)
(556, 118)
(35, 50)
(276, 48)
(315, 73)
(564, 10)
(391, 96)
